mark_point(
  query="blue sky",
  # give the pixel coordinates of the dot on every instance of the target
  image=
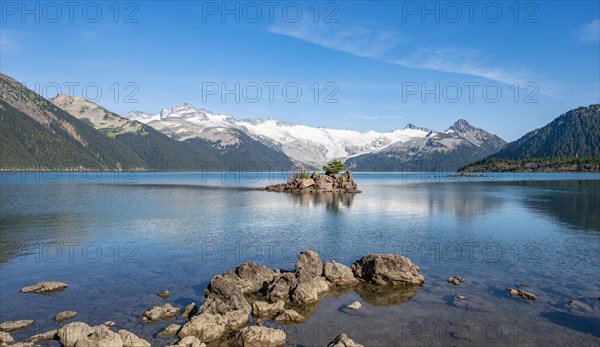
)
(376, 65)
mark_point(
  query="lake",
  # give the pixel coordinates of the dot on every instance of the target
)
(119, 238)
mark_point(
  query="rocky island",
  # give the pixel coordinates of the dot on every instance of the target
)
(317, 183)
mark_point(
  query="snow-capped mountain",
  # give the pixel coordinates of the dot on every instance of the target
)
(304, 144)
(439, 151)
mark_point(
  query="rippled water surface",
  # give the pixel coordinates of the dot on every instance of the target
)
(119, 239)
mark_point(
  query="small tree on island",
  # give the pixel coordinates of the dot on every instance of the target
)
(334, 167)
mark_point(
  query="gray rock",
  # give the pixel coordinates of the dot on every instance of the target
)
(65, 315)
(338, 274)
(189, 312)
(48, 287)
(73, 332)
(131, 340)
(224, 297)
(343, 340)
(170, 330)
(109, 324)
(6, 339)
(308, 265)
(191, 341)
(101, 337)
(264, 309)
(157, 313)
(206, 327)
(47, 336)
(252, 277)
(280, 286)
(456, 280)
(387, 269)
(355, 306)
(255, 336)
(460, 297)
(163, 293)
(524, 295)
(16, 325)
(308, 292)
(289, 316)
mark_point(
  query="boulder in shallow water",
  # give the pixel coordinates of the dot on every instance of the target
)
(65, 315)
(206, 327)
(191, 341)
(6, 339)
(255, 336)
(13, 325)
(456, 280)
(132, 340)
(170, 330)
(308, 292)
(190, 311)
(47, 287)
(157, 313)
(308, 265)
(338, 274)
(343, 340)
(101, 337)
(73, 332)
(164, 293)
(264, 309)
(47, 336)
(387, 269)
(289, 316)
(522, 294)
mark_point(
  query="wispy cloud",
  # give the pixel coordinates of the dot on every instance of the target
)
(588, 32)
(356, 40)
(382, 45)
(7, 43)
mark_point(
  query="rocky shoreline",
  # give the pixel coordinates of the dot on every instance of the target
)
(247, 305)
(317, 183)
(248, 294)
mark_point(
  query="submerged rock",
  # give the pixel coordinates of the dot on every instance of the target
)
(456, 280)
(16, 325)
(157, 313)
(65, 315)
(48, 287)
(524, 295)
(255, 336)
(343, 340)
(387, 269)
(164, 293)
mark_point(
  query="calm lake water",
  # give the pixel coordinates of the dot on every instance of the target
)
(117, 239)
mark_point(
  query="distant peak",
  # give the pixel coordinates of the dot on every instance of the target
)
(414, 127)
(462, 125)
